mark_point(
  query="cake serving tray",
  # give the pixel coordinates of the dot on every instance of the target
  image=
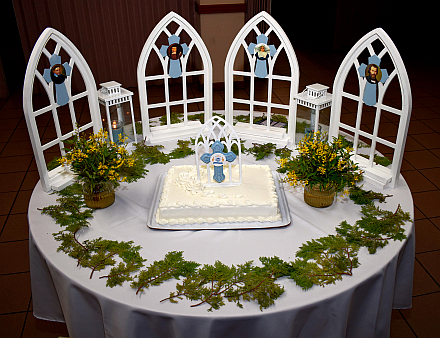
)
(282, 206)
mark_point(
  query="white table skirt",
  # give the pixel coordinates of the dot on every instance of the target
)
(358, 306)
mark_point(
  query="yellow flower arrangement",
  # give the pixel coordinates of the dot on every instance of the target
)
(96, 160)
(321, 164)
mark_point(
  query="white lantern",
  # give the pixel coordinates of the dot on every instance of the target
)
(118, 117)
(315, 96)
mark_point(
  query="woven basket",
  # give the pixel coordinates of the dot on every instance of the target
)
(100, 197)
(319, 198)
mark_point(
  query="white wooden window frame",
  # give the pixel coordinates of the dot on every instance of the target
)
(251, 130)
(374, 173)
(186, 128)
(59, 177)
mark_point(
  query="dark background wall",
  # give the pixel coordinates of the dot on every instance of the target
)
(13, 65)
(336, 25)
(110, 34)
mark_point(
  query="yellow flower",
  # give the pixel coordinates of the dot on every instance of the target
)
(291, 174)
(122, 151)
(321, 170)
(130, 162)
(282, 162)
(63, 160)
(341, 165)
(122, 138)
(113, 175)
(102, 166)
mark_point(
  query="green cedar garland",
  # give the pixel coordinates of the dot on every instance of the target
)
(362, 197)
(153, 155)
(319, 261)
(182, 150)
(324, 261)
(172, 266)
(261, 151)
(213, 284)
(375, 228)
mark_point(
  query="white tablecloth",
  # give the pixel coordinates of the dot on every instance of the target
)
(358, 306)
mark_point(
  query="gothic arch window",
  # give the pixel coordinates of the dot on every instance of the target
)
(174, 76)
(262, 42)
(58, 88)
(372, 106)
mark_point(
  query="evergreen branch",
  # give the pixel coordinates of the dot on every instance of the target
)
(102, 261)
(151, 153)
(214, 283)
(153, 279)
(119, 273)
(182, 150)
(361, 196)
(172, 266)
(283, 152)
(255, 287)
(375, 228)
(324, 261)
(261, 151)
(78, 242)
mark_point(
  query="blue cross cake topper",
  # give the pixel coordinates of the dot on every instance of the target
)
(262, 52)
(174, 51)
(373, 74)
(218, 158)
(57, 74)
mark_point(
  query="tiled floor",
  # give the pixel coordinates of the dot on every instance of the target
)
(421, 169)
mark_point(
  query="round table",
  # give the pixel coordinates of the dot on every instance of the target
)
(358, 306)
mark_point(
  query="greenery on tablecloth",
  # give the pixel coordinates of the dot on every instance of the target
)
(375, 228)
(213, 284)
(363, 197)
(320, 261)
(153, 155)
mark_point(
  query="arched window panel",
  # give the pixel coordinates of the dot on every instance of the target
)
(59, 95)
(393, 98)
(155, 91)
(372, 105)
(281, 66)
(194, 87)
(262, 41)
(154, 67)
(174, 78)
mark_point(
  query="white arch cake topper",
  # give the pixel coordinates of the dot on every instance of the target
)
(262, 68)
(218, 134)
(173, 67)
(59, 177)
(375, 173)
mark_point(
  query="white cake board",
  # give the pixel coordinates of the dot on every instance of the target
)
(282, 206)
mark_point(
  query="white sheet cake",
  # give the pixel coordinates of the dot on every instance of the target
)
(184, 199)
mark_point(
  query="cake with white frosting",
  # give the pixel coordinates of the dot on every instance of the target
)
(186, 200)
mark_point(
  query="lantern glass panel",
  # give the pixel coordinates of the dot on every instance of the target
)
(118, 121)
